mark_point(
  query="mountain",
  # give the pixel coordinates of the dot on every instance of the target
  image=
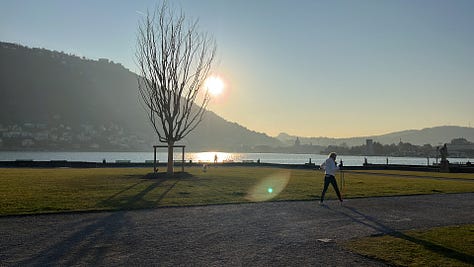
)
(50, 100)
(434, 136)
(38, 85)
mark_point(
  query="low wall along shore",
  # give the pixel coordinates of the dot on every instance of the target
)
(455, 168)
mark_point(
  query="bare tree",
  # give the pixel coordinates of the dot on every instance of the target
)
(174, 59)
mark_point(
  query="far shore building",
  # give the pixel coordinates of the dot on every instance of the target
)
(460, 147)
(297, 142)
(369, 143)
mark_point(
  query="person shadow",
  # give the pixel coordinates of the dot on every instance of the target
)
(372, 222)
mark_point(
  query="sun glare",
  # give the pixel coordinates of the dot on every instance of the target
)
(214, 85)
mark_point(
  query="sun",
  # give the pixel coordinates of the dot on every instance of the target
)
(214, 85)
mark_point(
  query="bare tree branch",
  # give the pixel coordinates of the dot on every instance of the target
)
(174, 59)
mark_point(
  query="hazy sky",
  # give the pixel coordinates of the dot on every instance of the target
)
(307, 68)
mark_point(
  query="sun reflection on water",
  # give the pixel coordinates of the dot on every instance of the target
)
(218, 157)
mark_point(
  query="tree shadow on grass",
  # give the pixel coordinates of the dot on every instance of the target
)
(164, 175)
(375, 224)
(129, 199)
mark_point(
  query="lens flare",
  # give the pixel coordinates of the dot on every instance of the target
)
(269, 187)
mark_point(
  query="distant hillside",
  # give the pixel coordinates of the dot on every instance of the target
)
(38, 85)
(52, 100)
(433, 136)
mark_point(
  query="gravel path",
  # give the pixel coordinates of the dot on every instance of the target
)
(258, 234)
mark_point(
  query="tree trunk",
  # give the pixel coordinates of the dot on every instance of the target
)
(170, 158)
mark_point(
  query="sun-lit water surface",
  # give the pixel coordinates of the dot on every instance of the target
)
(210, 156)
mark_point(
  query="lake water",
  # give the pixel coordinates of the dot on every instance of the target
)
(279, 158)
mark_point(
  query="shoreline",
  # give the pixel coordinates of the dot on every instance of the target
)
(454, 168)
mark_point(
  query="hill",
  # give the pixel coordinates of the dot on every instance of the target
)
(434, 136)
(50, 100)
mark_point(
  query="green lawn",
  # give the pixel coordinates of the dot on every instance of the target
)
(28, 191)
(443, 246)
(421, 174)
(25, 191)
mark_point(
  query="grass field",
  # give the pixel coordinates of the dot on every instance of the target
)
(30, 191)
(443, 246)
(26, 191)
(420, 174)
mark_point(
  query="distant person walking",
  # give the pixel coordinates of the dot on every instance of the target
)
(329, 166)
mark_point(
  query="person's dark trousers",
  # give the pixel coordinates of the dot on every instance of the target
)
(330, 179)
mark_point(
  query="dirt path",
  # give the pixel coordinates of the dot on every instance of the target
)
(260, 234)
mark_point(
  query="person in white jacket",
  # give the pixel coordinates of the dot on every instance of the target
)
(330, 167)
